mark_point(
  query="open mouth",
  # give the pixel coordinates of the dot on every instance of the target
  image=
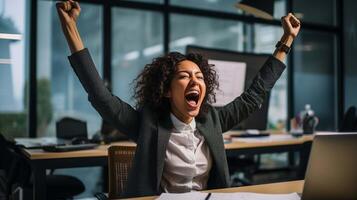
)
(192, 98)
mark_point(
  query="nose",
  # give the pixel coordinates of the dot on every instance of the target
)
(194, 80)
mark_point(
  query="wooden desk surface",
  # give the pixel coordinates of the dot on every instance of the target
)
(272, 188)
(275, 139)
(35, 154)
(101, 150)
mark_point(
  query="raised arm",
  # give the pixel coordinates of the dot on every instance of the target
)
(291, 26)
(111, 108)
(239, 109)
(68, 12)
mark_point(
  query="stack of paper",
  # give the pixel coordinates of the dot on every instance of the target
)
(228, 196)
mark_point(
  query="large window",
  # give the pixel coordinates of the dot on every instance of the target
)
(59, 92)
(139, 34)
(13, 67)
(137, 38)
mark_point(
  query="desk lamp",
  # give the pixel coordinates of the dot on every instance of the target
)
(259, 8)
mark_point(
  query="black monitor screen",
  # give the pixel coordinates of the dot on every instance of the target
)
(253, 62)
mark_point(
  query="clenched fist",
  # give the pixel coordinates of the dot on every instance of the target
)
(68, 11)
(291, 25)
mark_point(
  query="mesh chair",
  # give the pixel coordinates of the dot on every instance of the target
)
(119, 163)
(349, 121)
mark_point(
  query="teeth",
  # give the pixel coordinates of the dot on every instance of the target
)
(193, 92)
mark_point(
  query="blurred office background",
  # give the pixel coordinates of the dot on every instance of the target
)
(38, 86)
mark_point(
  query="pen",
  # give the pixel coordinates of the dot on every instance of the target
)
(208, 196)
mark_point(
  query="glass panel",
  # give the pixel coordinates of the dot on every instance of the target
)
(14, 15)
(316, 11)
(236, 36)
(59, 92)
(207, 32)
(350, 34)
(132, 49)
(149, 1)
(264, 41)
(226, 6)
(314, 78)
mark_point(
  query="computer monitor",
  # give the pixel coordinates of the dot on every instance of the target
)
(253, 62)
(332, 169)
(68, 128)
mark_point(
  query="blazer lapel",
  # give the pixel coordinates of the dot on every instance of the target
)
(164, 133)
(216, 146)
(209, 136)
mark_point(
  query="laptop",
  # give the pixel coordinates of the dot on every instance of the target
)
(332, 169)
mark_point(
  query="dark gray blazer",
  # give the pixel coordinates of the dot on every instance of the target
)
(151, 130)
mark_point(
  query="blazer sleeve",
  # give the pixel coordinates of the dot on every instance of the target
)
(112, 109)
(240, 108)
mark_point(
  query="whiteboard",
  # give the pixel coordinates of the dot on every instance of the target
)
(231, 80)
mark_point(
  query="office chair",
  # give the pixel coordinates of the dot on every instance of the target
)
(349, 121)
(247, 166)
(65, 186)
(119, 163)
(16, 173)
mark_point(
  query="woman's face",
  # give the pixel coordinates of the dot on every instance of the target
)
(187, 91)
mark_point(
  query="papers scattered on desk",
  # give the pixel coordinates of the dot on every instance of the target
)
(228, 196)
(38, 142)
(271, 138)
(183, 196)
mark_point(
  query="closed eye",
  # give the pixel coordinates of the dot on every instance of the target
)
(183, 76)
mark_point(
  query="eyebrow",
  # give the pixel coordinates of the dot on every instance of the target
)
(189, 72)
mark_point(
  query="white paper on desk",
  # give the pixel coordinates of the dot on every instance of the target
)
(270, 138)
(253, 196)
(228, 196)
(183, 196)
(231, 77)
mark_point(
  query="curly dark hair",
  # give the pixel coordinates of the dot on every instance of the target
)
(154, 81)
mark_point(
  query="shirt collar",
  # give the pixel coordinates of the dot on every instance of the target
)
(181, 126)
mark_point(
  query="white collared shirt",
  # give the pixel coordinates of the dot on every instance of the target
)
(187, 159)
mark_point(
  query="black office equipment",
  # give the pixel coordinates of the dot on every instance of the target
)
(69, 147)
(68, 128)
(247, 135)
(259, 119)
(73, 136)
(108, 133)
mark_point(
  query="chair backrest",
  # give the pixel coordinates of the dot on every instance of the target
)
(14, 168)
(119, 163)
(349, 121)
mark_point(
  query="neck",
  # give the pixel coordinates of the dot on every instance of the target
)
(182, 118)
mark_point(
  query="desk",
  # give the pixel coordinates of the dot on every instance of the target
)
(276, 143)
(272, 188)
(40, 160)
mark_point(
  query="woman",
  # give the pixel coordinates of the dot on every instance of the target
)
(178, 134)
